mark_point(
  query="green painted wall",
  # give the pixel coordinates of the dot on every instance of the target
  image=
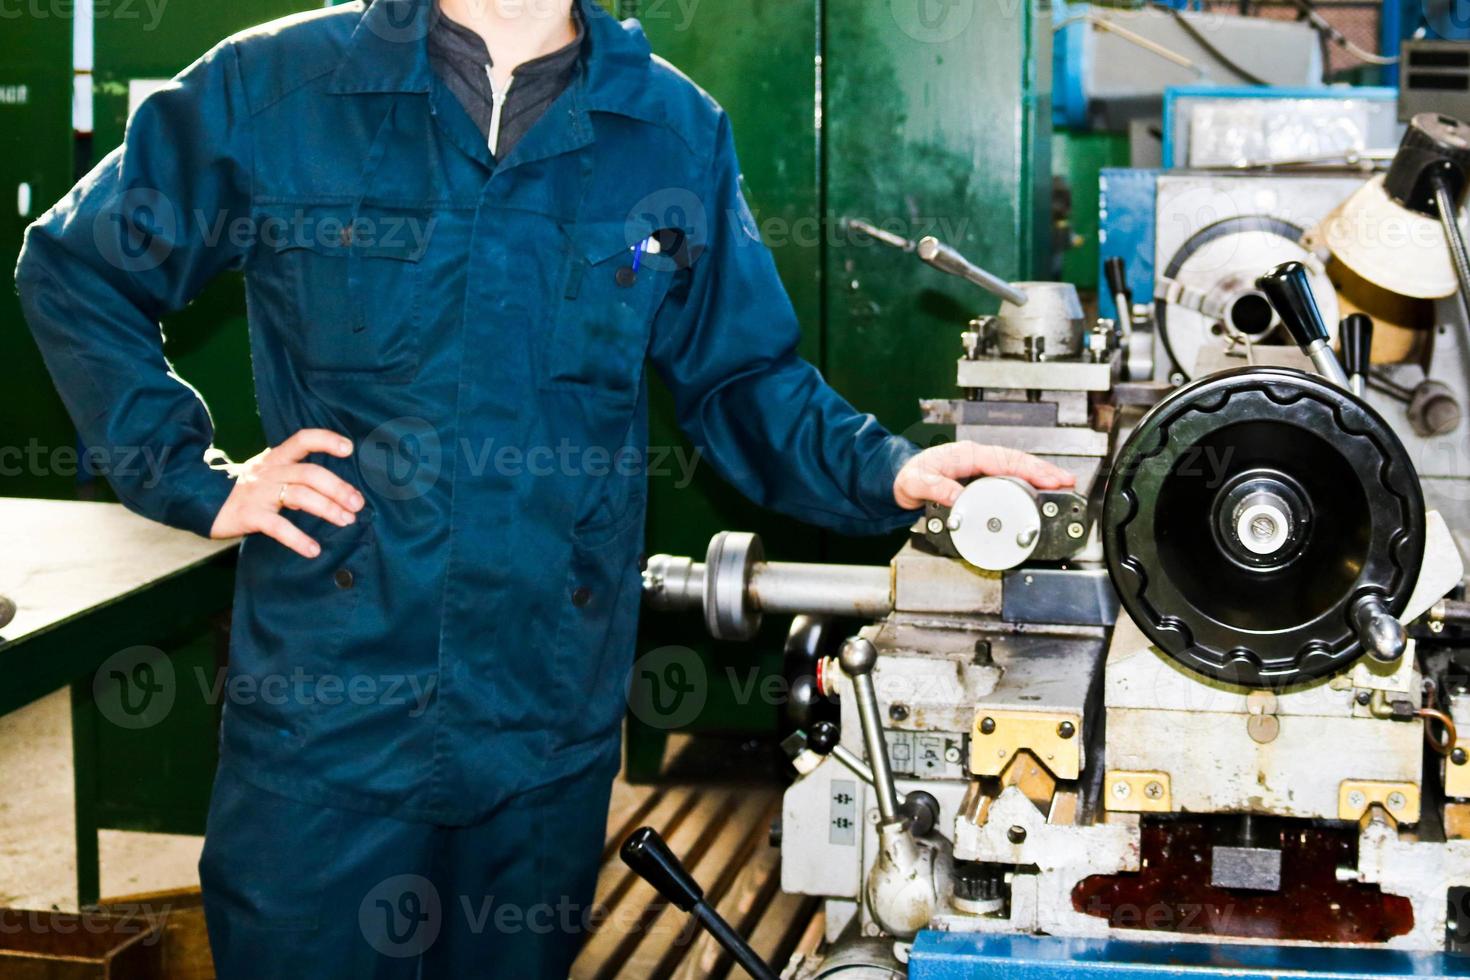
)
(36, 150)
(1079, 158)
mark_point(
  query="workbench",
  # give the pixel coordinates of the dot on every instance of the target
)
(100, 594)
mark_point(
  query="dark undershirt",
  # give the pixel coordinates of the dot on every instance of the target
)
(461, 60)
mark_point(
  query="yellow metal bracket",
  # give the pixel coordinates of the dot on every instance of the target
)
(1055, 739)
(1356, 796)
(1457, 774)
(1137, 791)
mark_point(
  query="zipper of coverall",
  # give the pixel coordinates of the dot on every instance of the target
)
(497, 108)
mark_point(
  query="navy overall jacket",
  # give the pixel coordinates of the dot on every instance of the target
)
(480, 329)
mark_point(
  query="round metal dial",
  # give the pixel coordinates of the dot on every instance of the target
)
(996, 523)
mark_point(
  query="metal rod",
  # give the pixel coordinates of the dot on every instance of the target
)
(1449, 219)
(779, 588)
(1378, 381)
(858, 591)
(855, 765)
(734, 943)
(945, 259)
(1327, 364)
(886, 237)
(867, 702)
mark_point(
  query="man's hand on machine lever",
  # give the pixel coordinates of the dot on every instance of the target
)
(935, 474)
(278, 480)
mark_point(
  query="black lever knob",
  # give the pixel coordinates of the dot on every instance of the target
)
(649, 856)
(1290, 292)
(1355, 333)
(1117, 277)
(824, 737)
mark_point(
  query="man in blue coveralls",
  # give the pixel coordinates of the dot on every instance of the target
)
(464, 229)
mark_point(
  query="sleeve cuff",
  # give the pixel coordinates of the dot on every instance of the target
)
(877, 484)
(196, 498)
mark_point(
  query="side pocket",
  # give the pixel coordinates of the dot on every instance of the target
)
(292, 619)
(594, 644)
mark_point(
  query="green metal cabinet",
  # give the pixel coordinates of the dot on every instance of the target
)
(35, 169)
(1078, 158)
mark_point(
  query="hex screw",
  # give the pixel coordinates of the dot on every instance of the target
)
(987, 726)
(1075, 529)
(1050, 509)
(934, 525)
(1066, 729)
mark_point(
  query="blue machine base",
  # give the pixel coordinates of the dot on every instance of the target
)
(969, 956)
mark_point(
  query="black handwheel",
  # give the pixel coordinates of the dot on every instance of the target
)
(1249, 512)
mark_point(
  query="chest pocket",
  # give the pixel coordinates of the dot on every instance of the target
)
(353, 277)
(606, 308)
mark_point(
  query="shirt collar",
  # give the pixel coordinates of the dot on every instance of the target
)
(388, 52)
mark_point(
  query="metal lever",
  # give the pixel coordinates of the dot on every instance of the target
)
(1290, 292)
(1379, 630)
(1355, 333)
(946, 259)
(651, 859)
(858, 657)
(1117, 277)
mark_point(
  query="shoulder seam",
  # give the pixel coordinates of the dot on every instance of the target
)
(276, 97)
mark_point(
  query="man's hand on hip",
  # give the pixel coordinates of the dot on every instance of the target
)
(934, 474)
(278, 480)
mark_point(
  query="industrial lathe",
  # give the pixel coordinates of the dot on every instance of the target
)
(1202, 710)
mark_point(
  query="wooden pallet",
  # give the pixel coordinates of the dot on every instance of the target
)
(721, 832)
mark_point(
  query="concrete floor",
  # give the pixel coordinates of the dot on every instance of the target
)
(37, 826)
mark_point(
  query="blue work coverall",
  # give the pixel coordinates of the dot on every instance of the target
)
(434, 702)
